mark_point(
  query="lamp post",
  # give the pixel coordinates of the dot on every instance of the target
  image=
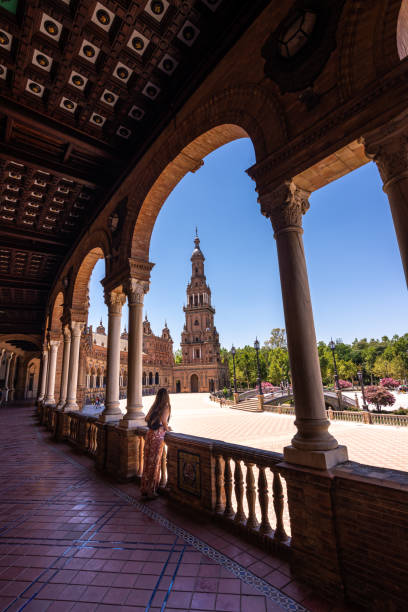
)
(233, 352)
(361, 381)
(332, 347)
(258, 380)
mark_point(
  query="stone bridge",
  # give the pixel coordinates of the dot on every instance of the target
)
(331, 399)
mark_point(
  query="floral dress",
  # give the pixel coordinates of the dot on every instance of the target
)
(153, 450)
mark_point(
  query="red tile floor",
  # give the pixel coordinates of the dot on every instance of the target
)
(70, 540)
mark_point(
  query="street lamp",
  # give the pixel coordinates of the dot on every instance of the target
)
(258, 380)
(233, 352)
(332, 346)
(361, 381)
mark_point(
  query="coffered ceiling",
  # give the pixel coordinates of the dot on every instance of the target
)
(85, 87)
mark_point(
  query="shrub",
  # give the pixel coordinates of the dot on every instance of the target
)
(344, 384)
(379, 396)
(389, 383)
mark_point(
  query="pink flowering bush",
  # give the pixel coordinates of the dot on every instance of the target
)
(389, 383)
(344, 384)
(267, 387)
(379, 396)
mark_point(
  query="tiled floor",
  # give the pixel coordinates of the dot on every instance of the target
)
(71, 541)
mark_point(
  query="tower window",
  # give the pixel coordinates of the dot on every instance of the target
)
(196, 322)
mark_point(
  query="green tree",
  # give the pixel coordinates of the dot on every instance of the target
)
(277, 339)
(278, 366)
(178, 356)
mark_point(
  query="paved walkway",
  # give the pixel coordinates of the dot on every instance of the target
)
(195, 414)
(69, 540)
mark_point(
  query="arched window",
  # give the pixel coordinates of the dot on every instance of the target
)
(196, 322)
(144, 379)
(191, 300)
(156, 378)
(201, 298)
(150, 378)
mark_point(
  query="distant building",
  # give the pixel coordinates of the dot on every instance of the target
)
(201, 369)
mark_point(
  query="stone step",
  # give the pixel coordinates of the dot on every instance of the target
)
(250, 405)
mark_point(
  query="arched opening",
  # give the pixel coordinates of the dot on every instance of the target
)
(402, 31)
(144, 379)
(178, 386)
(194, 383)
(150, 378)
(156, 378)
(211, 385)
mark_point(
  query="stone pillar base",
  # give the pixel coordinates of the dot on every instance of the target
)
(320, 460)
(70, 407)
(236, 398)
(260, 403)
(122, 452)
(109, 418)
(132, 423)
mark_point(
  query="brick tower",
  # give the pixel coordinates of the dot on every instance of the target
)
(201, 366)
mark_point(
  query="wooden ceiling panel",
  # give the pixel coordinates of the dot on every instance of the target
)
(84, 84)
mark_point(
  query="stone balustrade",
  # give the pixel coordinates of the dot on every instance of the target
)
(318, 530)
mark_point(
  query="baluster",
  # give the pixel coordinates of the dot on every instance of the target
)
(219, 506)
(137, 454)
(229, 510)
(265, 526)
(239, 492)
(163, 475)
(252, 522)
(278, 504)
(141, 457)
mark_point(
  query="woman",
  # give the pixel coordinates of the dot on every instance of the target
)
(157, 421)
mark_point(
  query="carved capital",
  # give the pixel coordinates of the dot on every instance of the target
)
(54, 344)
(390, 155)
(67, 333)
(76, 328)
(114, 301)
(135, 289)
(285, 206)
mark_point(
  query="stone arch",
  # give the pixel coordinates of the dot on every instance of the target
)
(80, 289)
(56, 313)
(237, 112)
(402, 31)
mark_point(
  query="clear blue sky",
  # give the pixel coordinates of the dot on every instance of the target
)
(355, 272)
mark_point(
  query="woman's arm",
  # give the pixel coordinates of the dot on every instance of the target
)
(164, 418)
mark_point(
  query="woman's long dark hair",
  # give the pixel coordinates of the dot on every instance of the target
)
(161, 401)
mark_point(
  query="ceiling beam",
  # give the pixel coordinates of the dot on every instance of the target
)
(34, 159)
(24, 237)
(56, 130)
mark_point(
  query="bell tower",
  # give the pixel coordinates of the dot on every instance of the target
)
(199, 339)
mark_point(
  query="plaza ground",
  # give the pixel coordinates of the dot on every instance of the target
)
(194, 414)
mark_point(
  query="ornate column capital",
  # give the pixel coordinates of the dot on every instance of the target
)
(114, 301)
(389, 153)
(135, 290)
(285, 206)
(67, 333)
(76, 328)
(54, 344)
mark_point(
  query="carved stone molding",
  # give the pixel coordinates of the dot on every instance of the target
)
(390, 156)
(114, 301)
(135, 290)
(54, 344)
(67, 333)
(285, 206)
(76, 328)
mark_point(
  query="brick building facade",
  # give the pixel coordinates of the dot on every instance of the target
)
(201, 369)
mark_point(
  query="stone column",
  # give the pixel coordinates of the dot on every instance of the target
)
(134, 416)
(114, 300)
(44, 370)
(49, 398)
(76, 330)
(65, 367)
(12, 377)
(7, 377)
(312, 445)
(391, 156)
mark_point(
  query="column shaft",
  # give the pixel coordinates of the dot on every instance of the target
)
(44, 370)
(134, 410)
(288, 205)
(112, 412)
(71, 403)
(49, 398)
(65, 367)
